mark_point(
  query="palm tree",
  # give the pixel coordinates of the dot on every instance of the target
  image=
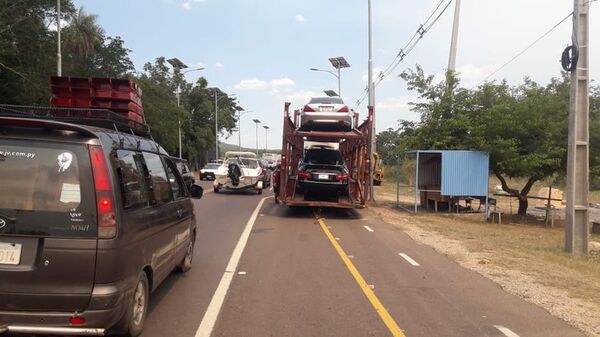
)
(83, 35)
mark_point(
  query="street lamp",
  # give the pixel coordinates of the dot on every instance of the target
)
(177, 64)
(240, 111)
(218, 94)
(266, 136)
(257, 122)
(338, 63)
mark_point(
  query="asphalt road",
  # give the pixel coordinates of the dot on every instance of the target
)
(287, 274)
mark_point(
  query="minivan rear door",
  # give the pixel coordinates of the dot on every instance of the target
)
(48, 234)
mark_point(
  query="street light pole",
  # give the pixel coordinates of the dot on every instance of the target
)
(59, 54)
(257, 122)
(266, 136)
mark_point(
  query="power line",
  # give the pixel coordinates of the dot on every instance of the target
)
(409, 46)
(529, 46)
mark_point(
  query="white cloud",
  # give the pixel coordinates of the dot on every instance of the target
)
(188, 5)
(301, 97)
(251, 84)
(282, 82)
(300, 18)
(395, 104)
(274, 86)
(219, 65)
(376, 72)
(471, 75)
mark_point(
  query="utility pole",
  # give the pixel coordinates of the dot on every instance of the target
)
(371, 92)
(179, 120)
(576, 228)
(58, 54)
(216, 93)
(454, 42)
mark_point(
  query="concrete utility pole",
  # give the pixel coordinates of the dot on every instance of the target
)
(58, 54)
(576, 228)
(454, 42)
(371, 89)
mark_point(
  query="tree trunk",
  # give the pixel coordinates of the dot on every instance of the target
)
(523, 204)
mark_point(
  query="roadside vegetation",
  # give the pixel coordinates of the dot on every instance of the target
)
(28, 45)
(523, 128)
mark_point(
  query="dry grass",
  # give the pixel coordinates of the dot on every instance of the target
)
(526, 260)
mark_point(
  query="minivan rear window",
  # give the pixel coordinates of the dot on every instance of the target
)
(46, 189)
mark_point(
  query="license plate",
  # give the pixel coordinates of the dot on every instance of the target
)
(326, 108)
(10, 253)
(323, 177)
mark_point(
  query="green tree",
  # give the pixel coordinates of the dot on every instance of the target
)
(523, 128)
(28, 49)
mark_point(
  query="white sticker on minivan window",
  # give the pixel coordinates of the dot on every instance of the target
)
(70, 193)
(18, 154)
(64, 161)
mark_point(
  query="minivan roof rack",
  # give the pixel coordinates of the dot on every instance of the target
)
(102, 118)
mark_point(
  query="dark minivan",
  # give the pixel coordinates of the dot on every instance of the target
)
(91, 221)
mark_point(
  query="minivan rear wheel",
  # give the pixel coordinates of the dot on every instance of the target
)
(135, 316)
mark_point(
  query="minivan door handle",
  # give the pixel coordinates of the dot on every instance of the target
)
(180, 212)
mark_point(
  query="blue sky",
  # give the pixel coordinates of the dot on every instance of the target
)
(262, 50)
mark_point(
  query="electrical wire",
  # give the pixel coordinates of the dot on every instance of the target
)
(528, 47)
(408, 47)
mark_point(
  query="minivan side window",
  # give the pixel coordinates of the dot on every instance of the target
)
(159, 184)
(177, 187)
(133, 184)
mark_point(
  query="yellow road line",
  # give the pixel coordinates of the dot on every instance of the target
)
(381, 311)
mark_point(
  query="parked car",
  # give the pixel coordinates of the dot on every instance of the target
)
(322, 171)
(92, 220)
(184, 170)
(208, 171)
(326, 114)
(240, 171)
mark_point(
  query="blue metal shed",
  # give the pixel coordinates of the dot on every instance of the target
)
(451, 174)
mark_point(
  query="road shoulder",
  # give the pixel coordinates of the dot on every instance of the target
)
(565, 288)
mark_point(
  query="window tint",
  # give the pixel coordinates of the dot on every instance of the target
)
(244, 162)
(326, 100)
(159, 183)
(133, 184)
(47, 188)
(323, 156)
(177, 188)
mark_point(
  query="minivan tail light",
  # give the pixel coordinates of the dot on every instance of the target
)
(344, 109)
(105, 206)
(308, 109)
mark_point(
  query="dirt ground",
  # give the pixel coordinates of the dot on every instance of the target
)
(524, 259)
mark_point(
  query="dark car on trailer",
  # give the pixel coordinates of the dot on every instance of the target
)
(322, 171)
(92, 220)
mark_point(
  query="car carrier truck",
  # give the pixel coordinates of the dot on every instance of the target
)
(354, 146)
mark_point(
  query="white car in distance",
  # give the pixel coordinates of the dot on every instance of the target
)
(326, 114)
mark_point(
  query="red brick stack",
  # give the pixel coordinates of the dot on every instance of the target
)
(117, 95)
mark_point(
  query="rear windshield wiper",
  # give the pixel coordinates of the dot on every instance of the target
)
(10, 219)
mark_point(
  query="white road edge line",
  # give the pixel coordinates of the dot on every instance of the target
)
(409, 259)
(506, 331)
(368, 228)
(212, 312)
